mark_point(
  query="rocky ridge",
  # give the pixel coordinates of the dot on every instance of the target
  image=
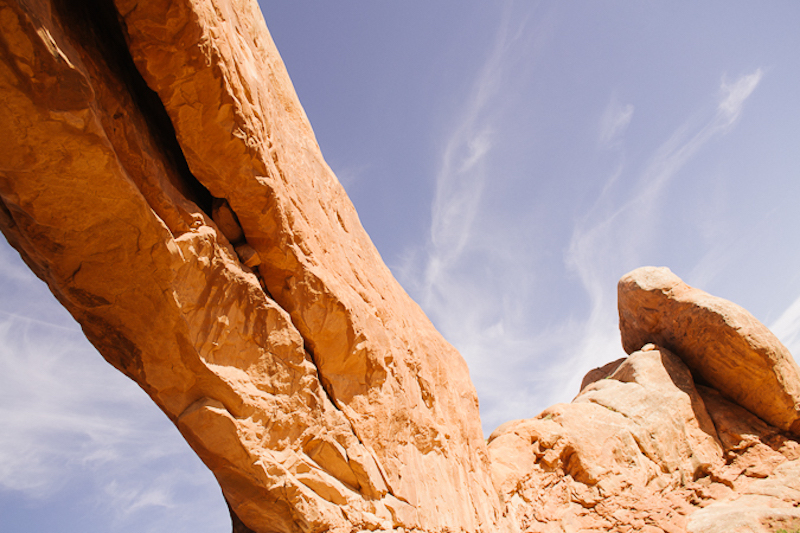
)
(160, 175)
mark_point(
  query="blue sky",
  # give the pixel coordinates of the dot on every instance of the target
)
(511, 161)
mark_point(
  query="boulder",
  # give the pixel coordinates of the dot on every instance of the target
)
(643, 447)
(723, 345)
(646, 449)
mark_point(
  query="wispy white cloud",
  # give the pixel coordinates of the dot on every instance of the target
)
(615, 238)
(462, 175)
(70, 419)
(733, 96)
(787, 327)
(467, 152)
(684, 144)
(452, 276)
(458, 192)
(132, 498)
(614, 122)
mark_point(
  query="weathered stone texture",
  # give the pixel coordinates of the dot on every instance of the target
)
(158, 172)
(721, 342)
(645, 448)
(275, 338)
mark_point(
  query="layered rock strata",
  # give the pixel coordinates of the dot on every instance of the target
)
(159, 174)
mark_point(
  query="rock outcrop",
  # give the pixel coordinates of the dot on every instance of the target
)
(645, 446)
(721, 342)
(159, 174)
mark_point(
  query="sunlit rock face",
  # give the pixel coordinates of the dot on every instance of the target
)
(645, 446)
(723, 344)
(158, 172)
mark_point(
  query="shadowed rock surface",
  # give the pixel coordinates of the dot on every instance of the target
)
(159, 174)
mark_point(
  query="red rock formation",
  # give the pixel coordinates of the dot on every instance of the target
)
(721, 342)
(159, 174)
(643, 447)
(313, 387)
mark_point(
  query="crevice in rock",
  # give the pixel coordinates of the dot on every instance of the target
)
(326, 387)
(323, 383)
(227, 222)
(97, 26)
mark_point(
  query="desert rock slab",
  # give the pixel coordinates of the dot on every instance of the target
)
(720, 341)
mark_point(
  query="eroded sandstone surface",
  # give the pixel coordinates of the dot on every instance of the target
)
(721, 342)
(648, 445)
(159, 174)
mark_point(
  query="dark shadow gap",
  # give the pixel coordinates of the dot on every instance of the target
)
(97, 26)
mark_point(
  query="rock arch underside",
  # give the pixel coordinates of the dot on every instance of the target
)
(158, 172)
